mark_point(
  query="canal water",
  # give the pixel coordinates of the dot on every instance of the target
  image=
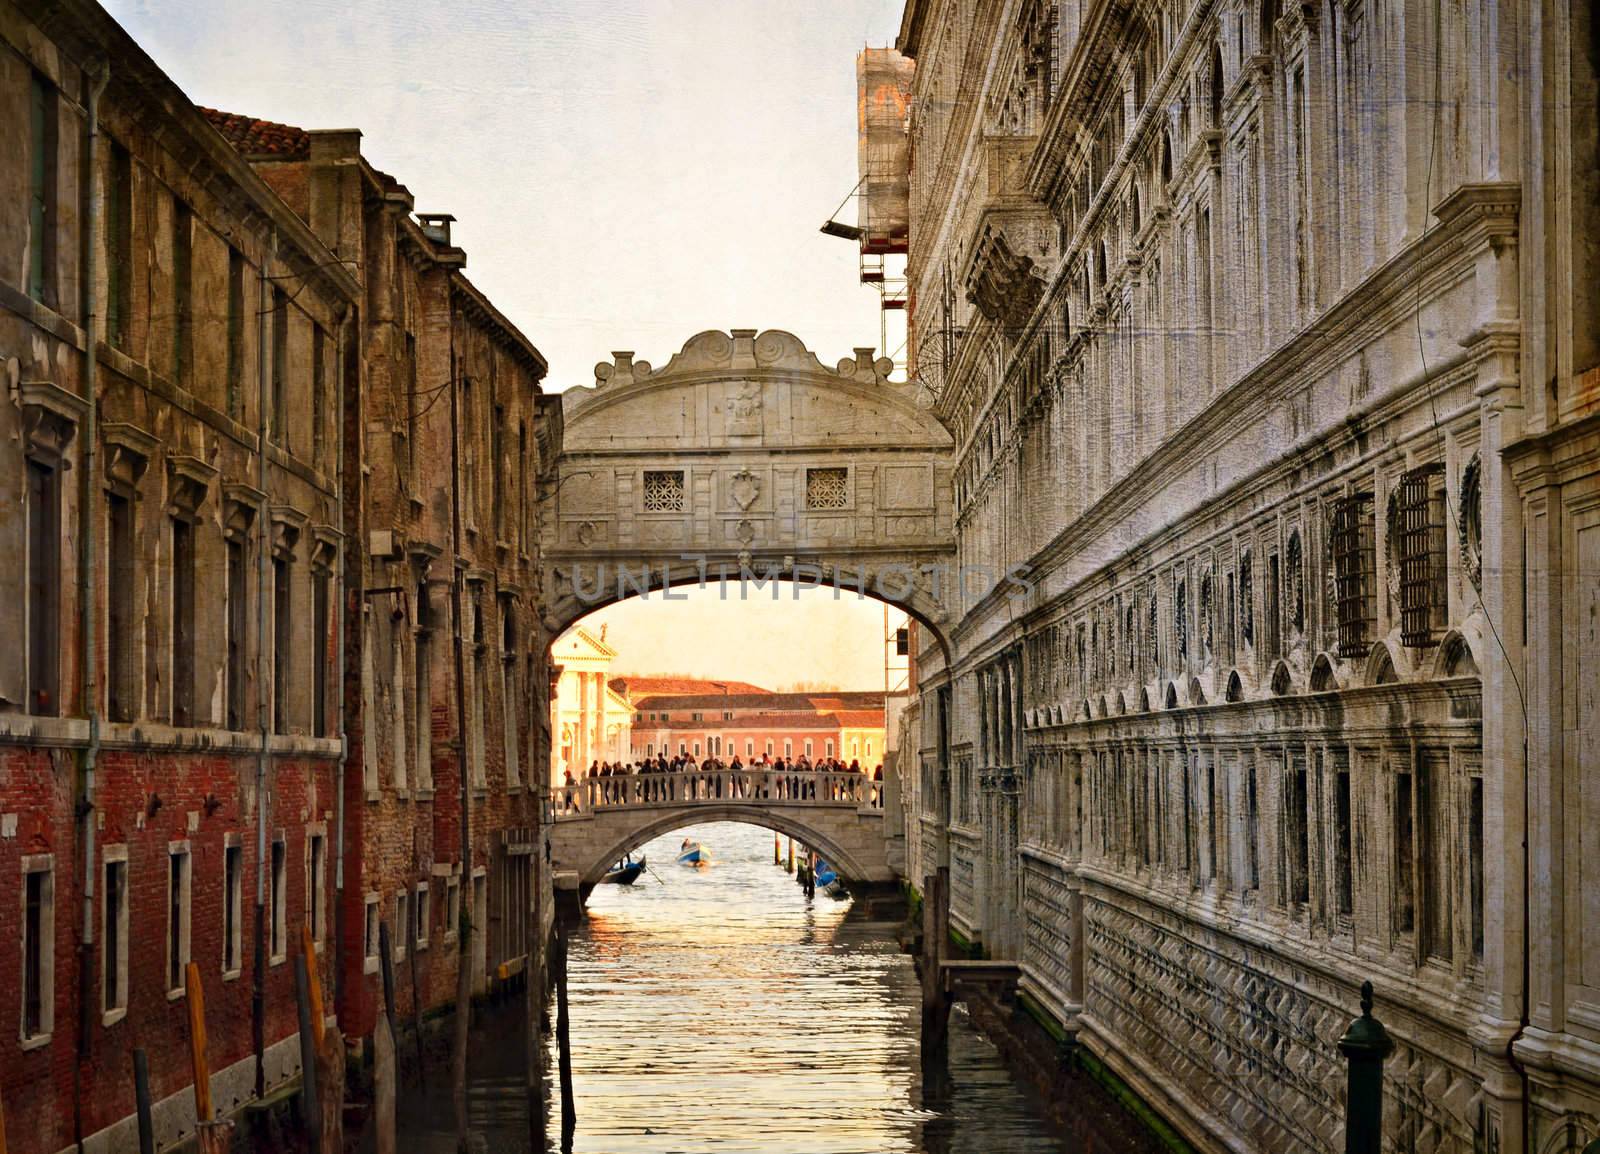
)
(720, 1009)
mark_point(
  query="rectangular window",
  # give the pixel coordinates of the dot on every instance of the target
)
(178, 882)
(121, 678)
(422, 690)
(1405, 894)
(278, 933)
(749, 748)
(1434, 884)
(828, 488)
(497, 490)
(808, 748)
(114, 933)
(1342, 843)
(402, 919)
(44, 586)
(1297, 831)
(1252, 831)
(829, 746)
(238, 623)
(281, 638)
(452, 908)
(319, 391)
(119, 247)
(319, 652)
(420, 911)
(369, 935)
(182, 622)
(1272, 611)
(232, 908)
(278, 430)
(317, 886)
(788, 749)
(44, 151)
(1475, 861)
(663, 491)
(1188, 821)
(38, 947)
(182, 293)
(413, 406)
(1212, 824)
(1424, 593)
(1354, 573)
(236, 322)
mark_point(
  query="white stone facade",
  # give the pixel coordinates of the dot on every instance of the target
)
(1268, 337)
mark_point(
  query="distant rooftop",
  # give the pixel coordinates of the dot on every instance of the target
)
(260, 138)
(637, 687)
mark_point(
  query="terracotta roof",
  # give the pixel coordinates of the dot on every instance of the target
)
(640, 686)
(860, 718)
(252, 137)
(815, 702)
(780, 720)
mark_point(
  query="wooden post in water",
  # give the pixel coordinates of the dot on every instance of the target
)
(569, 1112)
(141, 1104)
(777, 859)
(308, 1055)
(383, 1091)
(935, 946)
(791, 855)
(210, 1135)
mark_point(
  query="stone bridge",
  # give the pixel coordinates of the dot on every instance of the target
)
(598, 820)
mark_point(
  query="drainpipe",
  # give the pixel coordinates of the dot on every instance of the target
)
(258, 989)
(100, 76)
(338, 663)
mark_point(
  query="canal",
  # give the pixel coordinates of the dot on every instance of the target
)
(720, 1009)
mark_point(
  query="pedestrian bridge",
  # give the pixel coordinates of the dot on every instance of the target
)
(600, 819)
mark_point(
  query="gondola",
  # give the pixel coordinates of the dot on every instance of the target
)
(829, 881)
(625, 872)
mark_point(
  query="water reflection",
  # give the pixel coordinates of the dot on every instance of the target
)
(720, 1009)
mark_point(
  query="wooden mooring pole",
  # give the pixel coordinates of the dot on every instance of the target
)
(569, 1111)
(212, 1137)
(935, 947)
(141, 1104)
(308, 1055)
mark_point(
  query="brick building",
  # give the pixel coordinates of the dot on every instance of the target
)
(845, 725)
(230, 538)
(170, 514)
(421, 325)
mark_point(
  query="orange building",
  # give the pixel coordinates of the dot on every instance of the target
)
(750, 725)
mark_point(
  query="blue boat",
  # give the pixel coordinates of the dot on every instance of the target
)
(829, 881)
(625, 872)
(693, 853)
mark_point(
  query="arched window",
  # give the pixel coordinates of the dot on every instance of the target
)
(1101, 262)
(1133, 212)
(1166, 159)
(1269, 19)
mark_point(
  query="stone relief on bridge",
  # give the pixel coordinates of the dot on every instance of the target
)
(747, 454)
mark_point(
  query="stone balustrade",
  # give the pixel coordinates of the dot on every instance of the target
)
(716, 787)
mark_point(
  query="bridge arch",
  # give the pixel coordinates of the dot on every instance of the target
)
(653, 824)
(746, 455)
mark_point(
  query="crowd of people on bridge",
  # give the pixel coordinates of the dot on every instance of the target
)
(788, 779)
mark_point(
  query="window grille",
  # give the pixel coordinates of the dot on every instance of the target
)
(1421, 552)
(1353, 572)
(663, 491)
(827, 488)
(1180, 619)
(1297, 583)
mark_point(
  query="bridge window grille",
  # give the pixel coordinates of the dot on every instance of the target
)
(827, 488)
(1354, 573)
(1421, 551)
(663, 491)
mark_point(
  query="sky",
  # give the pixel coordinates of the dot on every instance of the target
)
(624, 175)
(772, 638)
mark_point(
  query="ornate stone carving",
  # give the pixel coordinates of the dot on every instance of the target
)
(188, 481)
(744, 488)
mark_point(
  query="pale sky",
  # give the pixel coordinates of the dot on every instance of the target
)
(768, 641)
(624, 174)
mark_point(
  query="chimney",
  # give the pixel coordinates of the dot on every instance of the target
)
(436, 227)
